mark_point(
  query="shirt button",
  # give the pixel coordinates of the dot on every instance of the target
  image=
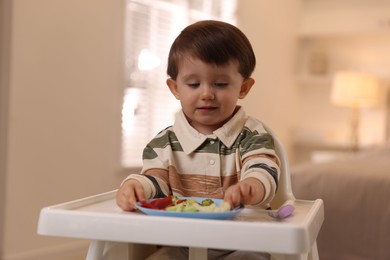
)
(212, 162)
(212, 141)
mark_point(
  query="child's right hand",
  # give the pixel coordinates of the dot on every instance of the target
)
(129, 193)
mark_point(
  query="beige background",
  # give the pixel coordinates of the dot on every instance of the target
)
(61, 92)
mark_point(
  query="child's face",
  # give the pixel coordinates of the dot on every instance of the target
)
(208, 93)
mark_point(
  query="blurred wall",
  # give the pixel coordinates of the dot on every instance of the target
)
(271, 27)
(63, 113)
(4, 61)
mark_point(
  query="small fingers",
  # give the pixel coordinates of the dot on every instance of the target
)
(245, 192)
(140, 193)
(130, 201)
(121, 200)
(128, 195)
(233, 196)
(240, 193)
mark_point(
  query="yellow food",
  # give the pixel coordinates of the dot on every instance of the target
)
(193, 206)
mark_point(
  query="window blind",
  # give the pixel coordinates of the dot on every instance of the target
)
(150, 28)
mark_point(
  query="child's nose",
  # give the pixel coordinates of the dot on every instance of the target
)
(207, 92)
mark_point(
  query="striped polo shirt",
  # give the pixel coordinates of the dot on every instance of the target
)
(183, 162)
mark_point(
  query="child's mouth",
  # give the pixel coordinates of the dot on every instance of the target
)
(206, 109)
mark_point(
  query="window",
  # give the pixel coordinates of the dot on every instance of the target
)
(151, 26)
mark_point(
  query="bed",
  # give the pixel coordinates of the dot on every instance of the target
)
(356, 195)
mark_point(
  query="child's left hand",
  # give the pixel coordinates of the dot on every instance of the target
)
(249, 191)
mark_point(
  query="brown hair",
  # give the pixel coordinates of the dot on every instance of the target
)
(212, 42)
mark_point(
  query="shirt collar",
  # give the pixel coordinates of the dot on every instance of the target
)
(190, 139)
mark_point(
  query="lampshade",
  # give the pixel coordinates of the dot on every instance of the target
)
(353, 89)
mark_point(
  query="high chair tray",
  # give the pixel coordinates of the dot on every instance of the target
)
(99, 218)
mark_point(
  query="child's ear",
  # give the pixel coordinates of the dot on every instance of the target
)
(246, 87)
(172, 85)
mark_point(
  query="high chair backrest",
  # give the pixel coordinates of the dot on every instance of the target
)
(284, 191)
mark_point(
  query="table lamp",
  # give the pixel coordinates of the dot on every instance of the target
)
(355, 90)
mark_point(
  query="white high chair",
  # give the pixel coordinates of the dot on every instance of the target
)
(128, 235)
(285, 193)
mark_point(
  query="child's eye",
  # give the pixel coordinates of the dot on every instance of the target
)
(193, 85)
(220, 84)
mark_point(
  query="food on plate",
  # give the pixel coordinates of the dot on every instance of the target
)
(161, 203)
(207, 202)
(173, 203)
